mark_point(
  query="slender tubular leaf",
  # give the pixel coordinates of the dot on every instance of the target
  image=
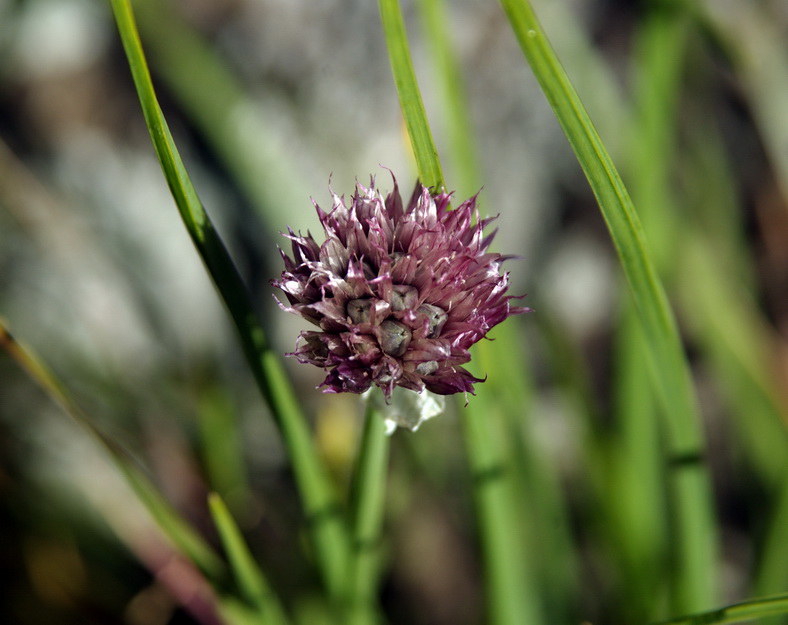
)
(178, 530)
(250, 579)
(771, 571)
(706, 262)
(326, 527)
(638, 495)
(694, 524)
(427, 163)
(717, 283)
(235, 611)
(511, 488)
(547, 564)
(736, 613)
(510, 591)
(368, 498)
(634, 483)
(738, 345)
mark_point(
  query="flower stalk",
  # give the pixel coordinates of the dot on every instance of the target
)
(368, 497)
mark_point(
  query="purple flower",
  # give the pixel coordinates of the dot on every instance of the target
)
(399, 294)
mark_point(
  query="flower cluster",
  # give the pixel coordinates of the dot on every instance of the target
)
(399, 293)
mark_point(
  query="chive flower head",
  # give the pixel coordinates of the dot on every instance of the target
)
(398, 293)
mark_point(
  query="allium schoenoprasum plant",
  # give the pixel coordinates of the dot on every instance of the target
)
(584, 469)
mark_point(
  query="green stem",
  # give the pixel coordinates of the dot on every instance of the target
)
(511, 598)
(368, 499)
(660, 59)
(690, 489)
(326, 526)
(251, 581)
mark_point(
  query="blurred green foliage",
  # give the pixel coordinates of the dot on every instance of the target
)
(265, 100)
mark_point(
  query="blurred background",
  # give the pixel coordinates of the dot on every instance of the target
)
(272, 101)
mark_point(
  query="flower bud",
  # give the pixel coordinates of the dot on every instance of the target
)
(358, 310)
(403, 297)
(394, 337)
(436, 317)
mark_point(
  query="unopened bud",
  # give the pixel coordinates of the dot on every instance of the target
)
(394, 337)
(358, 310)
(404, 297)
(436, 318)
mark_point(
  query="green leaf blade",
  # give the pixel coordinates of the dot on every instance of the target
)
(689, 483)
(173, 525)
(326, 527)
(250, 579)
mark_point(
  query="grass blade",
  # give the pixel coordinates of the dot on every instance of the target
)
(511, 597)
(185, 539)
(639, 494)
(250, 579)
(634, 482)
(695, 530)
(326, 527)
